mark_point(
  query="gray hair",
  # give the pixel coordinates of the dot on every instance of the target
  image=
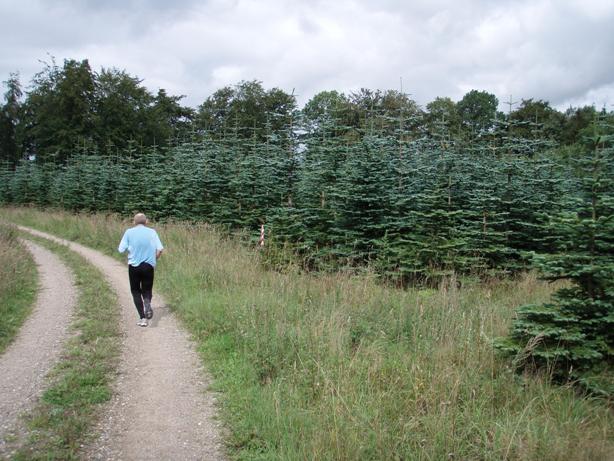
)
(140, 218)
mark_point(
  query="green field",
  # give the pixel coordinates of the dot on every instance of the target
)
(339, 367)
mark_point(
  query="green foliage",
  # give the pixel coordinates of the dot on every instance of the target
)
(326, 105)
(60, 110)
(478, 110)
(361, 180)
(417, 209)
(574, 334)
(246, 110)
(122, 105)
(73, 107)
(11, 114)
(443, 117)
(538, 119)
(577, 120)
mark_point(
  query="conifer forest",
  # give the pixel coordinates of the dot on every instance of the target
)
(350, 181)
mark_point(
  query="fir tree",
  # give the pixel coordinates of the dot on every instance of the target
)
(574, 334)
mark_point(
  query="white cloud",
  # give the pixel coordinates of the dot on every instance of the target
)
(546, 49)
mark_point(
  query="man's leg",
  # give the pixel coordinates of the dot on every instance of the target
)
(147, 280)
(134, 274)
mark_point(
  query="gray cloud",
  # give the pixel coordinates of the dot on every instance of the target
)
(554, 50)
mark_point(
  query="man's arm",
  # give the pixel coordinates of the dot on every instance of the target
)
(159, 246)
(123, 245)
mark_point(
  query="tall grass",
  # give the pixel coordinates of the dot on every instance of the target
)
(18, 282)
(339, 367)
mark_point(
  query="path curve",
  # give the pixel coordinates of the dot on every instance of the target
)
(39, 343)
(161, 408)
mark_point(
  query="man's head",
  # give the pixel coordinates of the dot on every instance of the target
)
(140, 218)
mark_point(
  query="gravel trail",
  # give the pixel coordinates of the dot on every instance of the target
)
(161, 408)
(39, 343)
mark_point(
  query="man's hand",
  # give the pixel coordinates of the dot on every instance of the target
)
(158, 254)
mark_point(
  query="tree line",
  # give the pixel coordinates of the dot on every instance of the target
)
(72, 105)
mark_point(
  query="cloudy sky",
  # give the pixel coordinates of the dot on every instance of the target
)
(558, 50)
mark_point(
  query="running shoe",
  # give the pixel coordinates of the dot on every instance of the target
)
(142, 323)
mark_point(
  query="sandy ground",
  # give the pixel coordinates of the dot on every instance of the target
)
(38, 346)
(161, 409)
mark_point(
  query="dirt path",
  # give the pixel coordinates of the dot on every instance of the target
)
(161, 409)
(38, 345)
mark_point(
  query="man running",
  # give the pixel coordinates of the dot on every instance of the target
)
(144, 248)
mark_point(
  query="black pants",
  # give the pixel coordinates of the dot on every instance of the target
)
(141, 285)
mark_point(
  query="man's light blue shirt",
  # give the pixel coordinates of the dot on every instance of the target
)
(142, 243)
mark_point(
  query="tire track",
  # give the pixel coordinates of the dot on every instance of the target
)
(160, 409)
(39, 343)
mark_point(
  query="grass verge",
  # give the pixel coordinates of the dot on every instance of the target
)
(339, 367)
(81, 381)
(18, 283)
